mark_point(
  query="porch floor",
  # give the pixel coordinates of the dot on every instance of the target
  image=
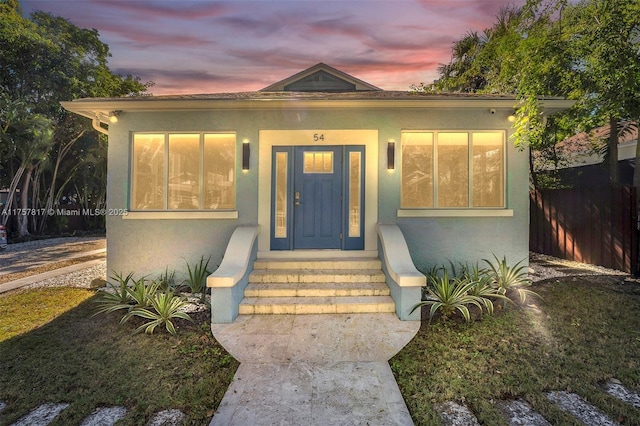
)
(326, 369)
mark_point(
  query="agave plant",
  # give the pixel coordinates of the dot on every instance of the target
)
(167, 280)
(483, 288)
(142, 292)
(165, 307)
(449, 295)
(118, 297)
(198, 277)
(510, 279)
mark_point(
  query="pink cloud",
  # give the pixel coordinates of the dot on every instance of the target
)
(204, 46)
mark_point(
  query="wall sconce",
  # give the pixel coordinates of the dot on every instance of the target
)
(391, 156)
(246, 154)
(511, 118)
(113, 116)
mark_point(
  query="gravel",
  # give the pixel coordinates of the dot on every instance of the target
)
(544, 267)
(81, 278)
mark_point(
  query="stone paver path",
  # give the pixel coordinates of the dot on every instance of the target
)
(615, 388)
(106, 416)
(335, 394)
(42, 415)
(453, 414)
(519, 413)
(580, 409)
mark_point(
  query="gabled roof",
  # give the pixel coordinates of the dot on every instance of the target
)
(321, 78)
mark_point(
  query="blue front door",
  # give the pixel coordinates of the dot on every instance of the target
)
(317, 197)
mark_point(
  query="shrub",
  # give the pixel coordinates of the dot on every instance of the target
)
(144, 298)
(510, 280)
(448, 296)
(483, 288)
(118, 297)
(473, 286)
(142, 292)
(166, 307)
(167, 281)
(197, 280)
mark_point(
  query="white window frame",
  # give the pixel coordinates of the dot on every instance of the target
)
(165, 212)
(469, 210)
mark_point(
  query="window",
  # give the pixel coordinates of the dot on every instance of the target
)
(183, 171)
(452, 169)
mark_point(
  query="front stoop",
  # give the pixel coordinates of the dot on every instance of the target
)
(343, 286)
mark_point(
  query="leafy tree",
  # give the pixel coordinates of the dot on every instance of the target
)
(45, 60)
(588, 51)
(526, 54)
(606, 38)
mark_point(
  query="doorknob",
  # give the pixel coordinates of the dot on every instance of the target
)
(297, 198)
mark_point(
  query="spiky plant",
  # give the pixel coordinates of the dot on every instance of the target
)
(448, 296)
(117, 297)
(197, 280)
(510, 280)
(165, 307)
(142, 292)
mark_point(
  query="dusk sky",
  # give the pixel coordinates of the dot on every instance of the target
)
(211, 46)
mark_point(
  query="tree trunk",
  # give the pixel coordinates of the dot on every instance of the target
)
(532, 171)
(12, 194)
(614, 174)
(51, 194)
(23, 218)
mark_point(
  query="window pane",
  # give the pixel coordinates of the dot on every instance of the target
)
(148, 192)
(453, 170)
(488, 157)
(417, 170)
(184, 171)
(354, 194)
(318, 162)
(281, 195)
(219, 171)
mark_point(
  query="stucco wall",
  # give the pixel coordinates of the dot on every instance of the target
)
(148, 246)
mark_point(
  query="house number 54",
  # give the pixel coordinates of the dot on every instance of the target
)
(318, 137)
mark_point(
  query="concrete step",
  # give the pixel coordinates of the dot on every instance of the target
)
(316, 305)
(317, 276)
(324, 264)
(316, 290)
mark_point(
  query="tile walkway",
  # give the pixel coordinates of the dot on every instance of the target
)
(314, 370)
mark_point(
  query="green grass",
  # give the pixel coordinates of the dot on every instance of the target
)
(91, 362)
(586, 332)
(27, 310)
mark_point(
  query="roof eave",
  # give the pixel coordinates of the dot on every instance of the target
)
(100, 108)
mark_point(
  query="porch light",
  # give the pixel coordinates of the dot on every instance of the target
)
(113, 116)
(246, 154)
(391, 156)
(511, 118)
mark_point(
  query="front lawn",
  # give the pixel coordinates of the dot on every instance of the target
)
(586, 331)
(91, 362)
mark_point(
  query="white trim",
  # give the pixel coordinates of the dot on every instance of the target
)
(455, 213)
(182, 215)
(332, 137)
(90, 107)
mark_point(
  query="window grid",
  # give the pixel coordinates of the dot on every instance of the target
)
(202, 184)
(470, 170)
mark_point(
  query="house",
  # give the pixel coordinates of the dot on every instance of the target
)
(582, 161)
(318, 165)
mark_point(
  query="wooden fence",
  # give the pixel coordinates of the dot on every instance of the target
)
(598, 225)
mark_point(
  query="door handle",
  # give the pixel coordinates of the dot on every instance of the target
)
(296, 196)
